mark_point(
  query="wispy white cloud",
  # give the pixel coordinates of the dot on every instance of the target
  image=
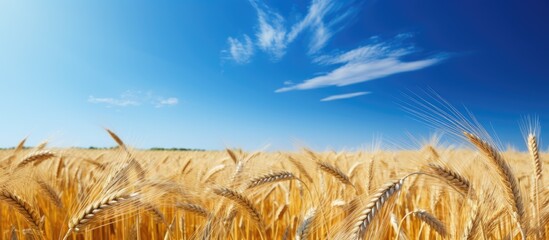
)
(167, 102)
(273, 37)
(113, 101)
(321, 17)
(134, 98)
(343, 96)
(271, 34)
(241, 51)
(365, 63)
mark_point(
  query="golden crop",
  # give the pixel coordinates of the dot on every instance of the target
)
(430, 193)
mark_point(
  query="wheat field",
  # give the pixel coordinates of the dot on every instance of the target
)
(122, 193)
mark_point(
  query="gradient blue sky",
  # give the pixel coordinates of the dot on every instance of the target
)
(214, 74)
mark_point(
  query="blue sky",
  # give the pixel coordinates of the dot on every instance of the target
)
(215, 74)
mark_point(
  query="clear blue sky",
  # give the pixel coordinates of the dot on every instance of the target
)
(214, 74)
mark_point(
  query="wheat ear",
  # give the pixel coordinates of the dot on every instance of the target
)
(271, 178)
(473, 223)
(432, 221)
(194, 208)
(18, 149)
(232, 155)
(335, 172)
(433, 152)
(155, 212)
(36, 158)
(534, 153)
(241, 201)
(23, 207)
(511, 187)
(304, 228)
(453, 178)
(94, 210)
(538, 180)
(212, 172)
(371, 175)
(375, 203)
(117, 140)
(51, 193)
(301, 168)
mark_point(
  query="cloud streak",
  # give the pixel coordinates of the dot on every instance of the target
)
(273, 37)
(363, 64)
(241, 51)
(119, 102)
(320, 19)
(271, 34)
(343, 96)
(167, 102)
(133, 99)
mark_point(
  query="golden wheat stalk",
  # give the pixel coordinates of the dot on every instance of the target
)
(511, 187)
(453, 178)
(212, 172)
(94, 210)
(301, 168)
(51, 193)
(36, 158)
(353, 169)
(242, 201)
(23, 207)
(432, 221)
(335, 172)
(117, 140)
(95, 163)
(194, 208)
(371, 175)
(472, 225)
(232, 155)
(400, 235)
(271, 178)
(537, 182)
(433, 152)
(155, 212)
(304, 228)
(534, 153)
(374, 205)
(16, 151)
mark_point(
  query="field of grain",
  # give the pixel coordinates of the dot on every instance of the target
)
(122, 193)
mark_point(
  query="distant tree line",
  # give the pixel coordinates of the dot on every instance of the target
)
(114, 147)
